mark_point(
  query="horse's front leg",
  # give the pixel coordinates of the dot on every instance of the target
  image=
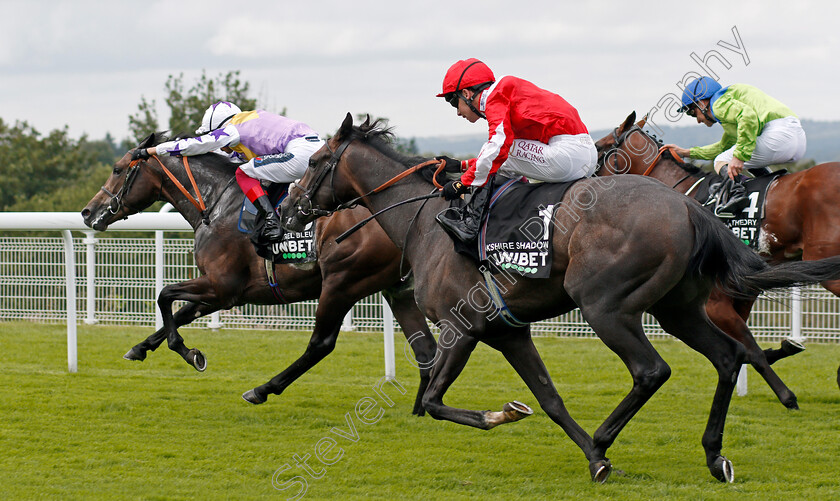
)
(332, 307)
(418, 337)
(453, 353)
(519, 350)
(196, 291)
(185, 315)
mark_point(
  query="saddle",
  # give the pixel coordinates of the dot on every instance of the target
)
(516, 234)
(295, 248)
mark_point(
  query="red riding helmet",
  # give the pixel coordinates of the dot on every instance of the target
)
(464, 74)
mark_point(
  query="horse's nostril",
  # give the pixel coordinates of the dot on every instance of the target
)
(86, 213)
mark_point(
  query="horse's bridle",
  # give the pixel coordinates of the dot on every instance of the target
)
(117, 202)
(306, 198)
(619, 139)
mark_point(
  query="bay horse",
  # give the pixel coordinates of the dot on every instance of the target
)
(608, 260)
(232, 274)
(801, 222)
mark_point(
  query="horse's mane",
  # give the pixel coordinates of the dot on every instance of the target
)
(381, 138)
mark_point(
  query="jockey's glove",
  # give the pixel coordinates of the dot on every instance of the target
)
(454, 189)
(452, 165)
(140, 154)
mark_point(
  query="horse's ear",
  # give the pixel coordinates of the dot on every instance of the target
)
(641, 123)
(346, 126)
(366, 123)
(628, 122)
(148, 142)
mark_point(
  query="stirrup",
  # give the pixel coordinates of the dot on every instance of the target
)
(733, 205)
(459, 224)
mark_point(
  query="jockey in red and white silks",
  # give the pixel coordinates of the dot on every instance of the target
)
(533, 133)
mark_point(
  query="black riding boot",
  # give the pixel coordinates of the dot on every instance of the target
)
(733, 198)
(272, 232)
(464, 223)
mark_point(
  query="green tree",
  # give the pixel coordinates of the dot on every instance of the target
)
(37, 165)
(187, 106)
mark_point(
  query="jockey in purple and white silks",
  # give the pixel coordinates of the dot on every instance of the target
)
(273, 148)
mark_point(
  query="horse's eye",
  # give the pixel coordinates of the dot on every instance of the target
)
(117, 171)
(312, 163)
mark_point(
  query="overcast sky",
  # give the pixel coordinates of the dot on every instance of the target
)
(86, 64)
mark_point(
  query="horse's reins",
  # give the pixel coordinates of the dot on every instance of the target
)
(197, 201)
(390, 182)
(330, 168)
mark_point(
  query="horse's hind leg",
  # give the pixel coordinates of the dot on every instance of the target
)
(692, 326)
(522, 355)
(743, 308)
(418, 336)
(721, 310)
(623, 334)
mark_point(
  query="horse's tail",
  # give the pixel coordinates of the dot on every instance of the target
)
(741, 272)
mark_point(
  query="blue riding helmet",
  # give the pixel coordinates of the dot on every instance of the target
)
(698, 89)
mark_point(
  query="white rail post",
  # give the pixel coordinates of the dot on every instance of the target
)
(159, 267)
(90, 268)
(65, 222)
(347, 323)
(796, 314)
(741, 385)
(70, 275)
(388, 329)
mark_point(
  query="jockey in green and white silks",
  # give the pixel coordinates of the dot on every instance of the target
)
(758, 130)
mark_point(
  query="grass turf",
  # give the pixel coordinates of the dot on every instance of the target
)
(160, 430)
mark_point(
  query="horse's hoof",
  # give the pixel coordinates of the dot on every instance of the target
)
(250, 396)
(791, 347)
(600, 470)
(197, 360)
(135, 354)
(514, 411)
(722, 470)
(791, 404)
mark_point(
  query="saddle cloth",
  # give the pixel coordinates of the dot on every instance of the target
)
(295, 248)
(516, 235)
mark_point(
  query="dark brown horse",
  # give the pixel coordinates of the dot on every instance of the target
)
(607, 261)
(232, 274)
(801, 222)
